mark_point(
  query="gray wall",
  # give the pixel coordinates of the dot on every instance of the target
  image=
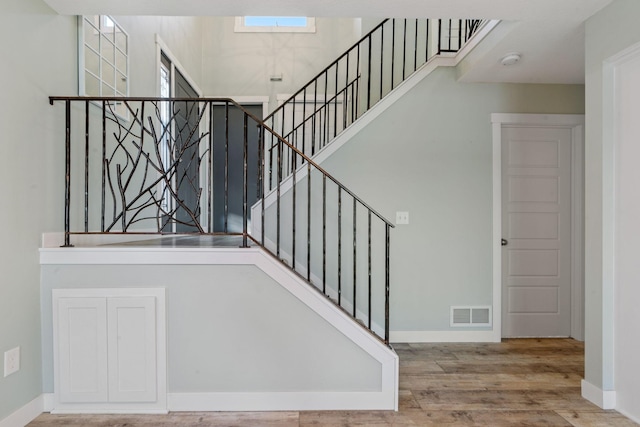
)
(230, 329)
(181, 34)
(241, 63)
(607, 33)
(38, 53)
(430, 154)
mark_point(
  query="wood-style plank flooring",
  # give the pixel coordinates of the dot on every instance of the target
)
(528, 382)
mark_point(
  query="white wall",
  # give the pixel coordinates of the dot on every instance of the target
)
(241, 63)
(39, 59)
(608, 33)
(627, 235)
(430, 154)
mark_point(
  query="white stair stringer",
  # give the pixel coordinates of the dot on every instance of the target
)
(442, 60)
(386, 398)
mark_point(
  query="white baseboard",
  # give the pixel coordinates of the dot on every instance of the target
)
(442, 336)
(282, 401)
(605, 399)
(24, 415)
(632, 417)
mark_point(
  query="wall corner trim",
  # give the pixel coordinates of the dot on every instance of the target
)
(605, 399)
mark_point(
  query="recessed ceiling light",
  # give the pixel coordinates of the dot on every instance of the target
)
(511, 59)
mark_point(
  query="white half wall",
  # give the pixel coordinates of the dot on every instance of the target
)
(244, 332)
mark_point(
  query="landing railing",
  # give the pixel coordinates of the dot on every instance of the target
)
(359, 78)
(196, 167)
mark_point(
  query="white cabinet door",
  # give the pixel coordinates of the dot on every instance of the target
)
(82, 349)
(109, 350)
(132, 349)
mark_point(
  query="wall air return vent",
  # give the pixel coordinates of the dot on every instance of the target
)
(470, 316)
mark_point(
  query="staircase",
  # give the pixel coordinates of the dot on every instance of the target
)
(195, 167)
(358, 79)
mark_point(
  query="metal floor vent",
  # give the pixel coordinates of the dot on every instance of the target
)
(470, 316)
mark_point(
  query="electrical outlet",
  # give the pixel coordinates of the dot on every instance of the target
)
(402, 218)
(11, 361)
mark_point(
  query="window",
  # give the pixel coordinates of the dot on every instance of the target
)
(165, 114)
(275, 24)
(103, 57)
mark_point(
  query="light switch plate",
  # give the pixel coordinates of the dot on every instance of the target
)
(11, 361)
(402, 218)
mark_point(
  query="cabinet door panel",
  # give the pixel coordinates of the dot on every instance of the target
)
(132, 349)
(82, 349)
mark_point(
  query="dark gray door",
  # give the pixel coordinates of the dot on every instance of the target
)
(228, 166)
(187, 180)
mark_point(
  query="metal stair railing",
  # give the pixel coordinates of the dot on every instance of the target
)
(194, 166)
(359, 78)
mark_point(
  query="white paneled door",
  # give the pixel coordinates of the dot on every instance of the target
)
(536, 231)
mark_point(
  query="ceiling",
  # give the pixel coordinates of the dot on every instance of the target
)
(549, 34)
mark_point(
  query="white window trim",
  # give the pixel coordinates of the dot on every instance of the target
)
(239, 27)
(163, 49)
(81, 58)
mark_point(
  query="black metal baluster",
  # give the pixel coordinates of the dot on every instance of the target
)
(315, 113)
(325, 136)
(355, 257)
(259, 156)
(293, 125)
(369, 76)
(335, 106)
(459, 34)
(104, 159)
(281, 134)
(324, 234)
(415, 49)
(308, 221)
(427, 38)
(404, 50)
(245, 182)
(393, 51)
(67, 175)
(439, 36)
(278, 198)
(450, 24)
(226, 167)
(358, 82)
(346, 94)
(369, 267)
(86, 166)
(262, 156)
(271, 164)
(386, 284)
(339, 245)
(293, 216)
(304, 121)
(210, 172)
(381, 58)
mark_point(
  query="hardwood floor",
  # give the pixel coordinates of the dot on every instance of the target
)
(530, 382)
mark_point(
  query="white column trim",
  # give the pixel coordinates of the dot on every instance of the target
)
(605, 399)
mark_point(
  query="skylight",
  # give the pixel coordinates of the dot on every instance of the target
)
(275, 21)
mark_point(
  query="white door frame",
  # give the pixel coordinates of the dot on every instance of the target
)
(574, 122)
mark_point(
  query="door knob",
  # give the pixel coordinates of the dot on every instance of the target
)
(504, 242)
